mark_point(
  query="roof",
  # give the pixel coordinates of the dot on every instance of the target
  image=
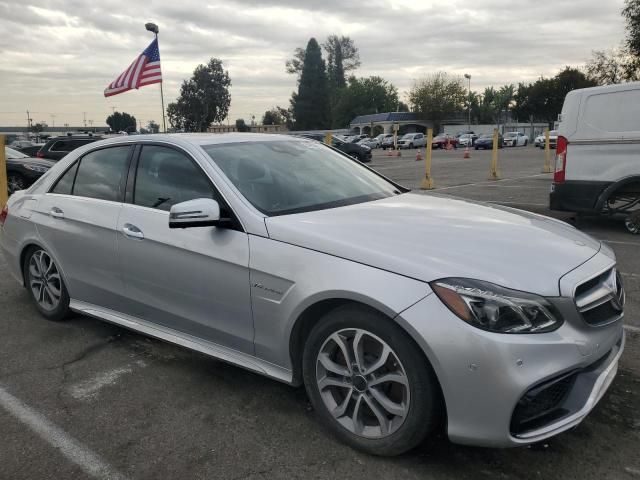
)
(199, 138)
(386, 117)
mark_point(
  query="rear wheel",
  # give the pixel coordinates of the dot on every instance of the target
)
(45, 285)
(16, 182)
(369, 382)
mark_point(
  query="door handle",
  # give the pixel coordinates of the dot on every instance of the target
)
(132, 231)
(55, 212)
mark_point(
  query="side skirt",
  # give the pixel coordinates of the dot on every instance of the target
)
(225, 354)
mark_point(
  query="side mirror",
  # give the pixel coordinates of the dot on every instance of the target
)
(201, 212)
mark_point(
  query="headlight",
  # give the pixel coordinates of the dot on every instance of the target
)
(36, 168)
(497, 309)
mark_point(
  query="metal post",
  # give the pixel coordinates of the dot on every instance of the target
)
(547, 152)
(328, 139)
(164, 122)
(468, 77)
(494, 174)
(427, 181)
(4, 187)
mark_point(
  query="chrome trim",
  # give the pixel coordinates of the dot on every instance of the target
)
(220, 352)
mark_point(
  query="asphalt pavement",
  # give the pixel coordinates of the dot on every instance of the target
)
(87, 399)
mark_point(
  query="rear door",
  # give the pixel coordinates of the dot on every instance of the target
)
(77, 222)
(193, 280)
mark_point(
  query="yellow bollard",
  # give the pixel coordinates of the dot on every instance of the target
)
(547, 152)
(328, 139)
(427, 181)
(494, 174)
(4, 188)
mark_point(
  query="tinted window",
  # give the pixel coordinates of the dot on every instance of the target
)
(166, 176)
(65, 183)
(280, 177)
(62, 146)
(101, 174)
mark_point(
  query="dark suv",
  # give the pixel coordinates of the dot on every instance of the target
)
(359, 152)
(58, 147)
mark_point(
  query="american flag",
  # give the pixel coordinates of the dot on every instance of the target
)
(144, 70)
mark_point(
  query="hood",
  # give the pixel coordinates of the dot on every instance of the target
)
(428, 237)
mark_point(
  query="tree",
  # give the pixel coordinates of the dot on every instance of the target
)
(342, 57)
(543, 99)
(363, 96)
(287, 116)
(122, 122)
(631, 14)
(153, 127)
(38, 127)
(311, 102)
(241, 126)
(437, 97)
(204, 99)
(606, 67)
(272, 117)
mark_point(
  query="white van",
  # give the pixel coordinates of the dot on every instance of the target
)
(598, 153)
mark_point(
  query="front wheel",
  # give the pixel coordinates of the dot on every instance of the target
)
(45, 285)
(525, 142)
(369, 383)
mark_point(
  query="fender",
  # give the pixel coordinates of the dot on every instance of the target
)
(604, 196)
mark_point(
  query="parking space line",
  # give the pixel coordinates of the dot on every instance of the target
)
(493, 182)
(73, 450)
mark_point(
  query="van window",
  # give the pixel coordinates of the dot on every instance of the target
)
(614, 112)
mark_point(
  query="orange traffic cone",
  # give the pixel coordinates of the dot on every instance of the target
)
(418, 156)
(466, 152)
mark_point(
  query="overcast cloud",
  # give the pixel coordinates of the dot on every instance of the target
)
(59, 55)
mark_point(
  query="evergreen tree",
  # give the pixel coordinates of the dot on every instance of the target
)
(311, 103)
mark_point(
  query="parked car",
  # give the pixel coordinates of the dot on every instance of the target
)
(387, 142)
(382, 136)
(485, 142)
(467, 139)
(58, 147)
(359, 152)
(597, 168)
(515, 139)
(412, 140)
(444, 139)
(369, 142)
(553, 139)
(23, 170)
(19, 144)
(464, 132)
(292, 261)
(31, 150)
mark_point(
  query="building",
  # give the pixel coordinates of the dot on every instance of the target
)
(407, 122)
(251, 128)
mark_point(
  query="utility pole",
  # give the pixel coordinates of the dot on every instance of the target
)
(28, 123)
(468, 77)
(53, 120)
(84, 119)
(91, 124)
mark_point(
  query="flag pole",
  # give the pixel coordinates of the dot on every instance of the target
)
(152, 27)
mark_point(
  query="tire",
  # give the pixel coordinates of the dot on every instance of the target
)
(417, 410)
(632, 222)
(525, 142)
(476, 148)
(411, 146)
(356, 156)
(50, 297)
(15, 182)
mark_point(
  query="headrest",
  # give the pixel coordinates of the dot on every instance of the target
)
(249, 170)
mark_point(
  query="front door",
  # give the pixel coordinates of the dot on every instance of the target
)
(194, 280)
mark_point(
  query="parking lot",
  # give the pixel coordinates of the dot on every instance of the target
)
(132, 407)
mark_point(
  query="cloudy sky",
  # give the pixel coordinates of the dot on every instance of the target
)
(59, 55)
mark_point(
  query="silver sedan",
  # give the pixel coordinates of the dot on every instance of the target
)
(400, 313)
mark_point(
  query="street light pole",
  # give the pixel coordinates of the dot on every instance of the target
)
(152, 27)
(468, 77)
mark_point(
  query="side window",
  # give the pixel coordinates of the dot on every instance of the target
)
(167, 176)
(64, 185)
(101, 174)
(60, 146)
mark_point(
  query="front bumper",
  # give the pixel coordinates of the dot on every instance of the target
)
(484, 376)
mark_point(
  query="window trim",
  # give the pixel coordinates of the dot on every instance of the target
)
(77, 162)
(132, 175)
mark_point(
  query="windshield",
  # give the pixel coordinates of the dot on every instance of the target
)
(511, 134)
(14, 154)
(282, 177)
(407, 136)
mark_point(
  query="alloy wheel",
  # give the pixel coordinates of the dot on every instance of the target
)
(15, 183)
(44, 280)
(362, 383)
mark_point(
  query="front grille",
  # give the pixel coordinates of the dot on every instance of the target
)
(542, 404)
(600, 300)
